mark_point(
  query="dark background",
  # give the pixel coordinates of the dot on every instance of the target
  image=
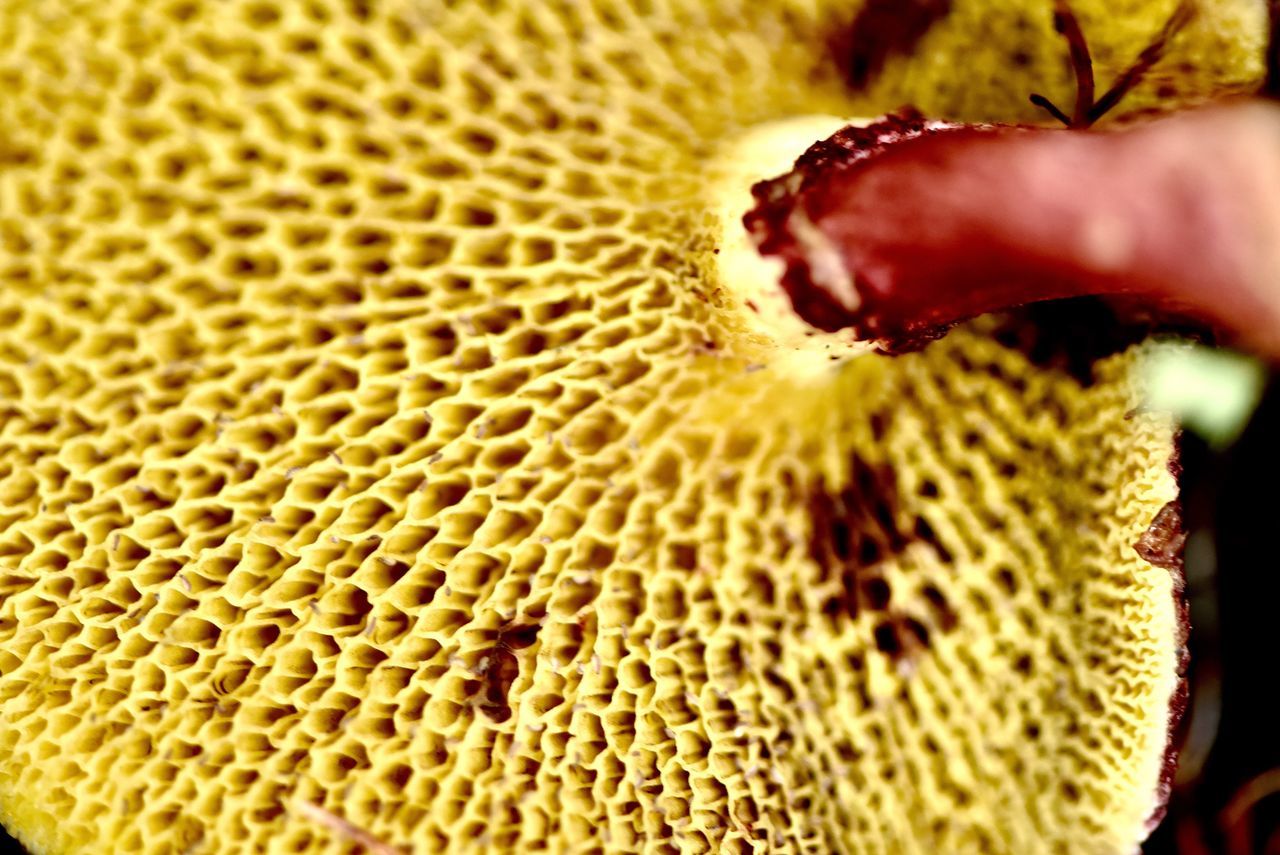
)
(1227, 793)
(1228, 804)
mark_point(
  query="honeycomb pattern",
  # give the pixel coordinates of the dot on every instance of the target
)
(379, 442)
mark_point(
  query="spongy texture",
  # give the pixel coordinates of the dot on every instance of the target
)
(376, 433)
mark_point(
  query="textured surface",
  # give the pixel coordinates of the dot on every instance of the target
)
(1008, 50)
(375, 431)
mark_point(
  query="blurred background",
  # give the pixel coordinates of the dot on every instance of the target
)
(1226, 796)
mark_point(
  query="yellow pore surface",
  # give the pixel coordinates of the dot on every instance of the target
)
(377, 433)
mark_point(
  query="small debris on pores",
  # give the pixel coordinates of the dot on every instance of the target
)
(344, 829)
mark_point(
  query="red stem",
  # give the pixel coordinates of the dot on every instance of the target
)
(906, 230)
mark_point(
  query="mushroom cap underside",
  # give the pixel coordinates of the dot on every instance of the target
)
(377, 433)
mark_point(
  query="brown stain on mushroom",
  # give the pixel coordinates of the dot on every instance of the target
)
(855, 531)
(881, 30)
(503, 667)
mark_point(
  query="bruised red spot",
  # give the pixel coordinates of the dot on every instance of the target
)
(881, 30)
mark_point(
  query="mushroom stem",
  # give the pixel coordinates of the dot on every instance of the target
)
(936, 223)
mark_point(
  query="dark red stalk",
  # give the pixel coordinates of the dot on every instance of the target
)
(915, 227)
(901, 229)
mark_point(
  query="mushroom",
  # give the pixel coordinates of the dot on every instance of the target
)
(896, 229)
(386, 462)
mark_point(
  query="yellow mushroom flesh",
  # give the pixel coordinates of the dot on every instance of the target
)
(379, 432)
